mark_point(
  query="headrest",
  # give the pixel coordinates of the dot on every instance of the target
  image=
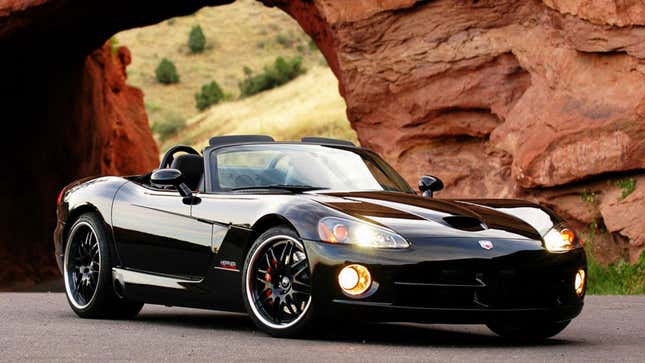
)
(191, 167)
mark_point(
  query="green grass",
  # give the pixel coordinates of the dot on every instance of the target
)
(169, 126)
(627, 186)
(589, 197)
(619, 278)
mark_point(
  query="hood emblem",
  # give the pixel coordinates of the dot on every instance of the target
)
(487, 245)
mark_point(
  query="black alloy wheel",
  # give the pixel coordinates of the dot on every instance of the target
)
(87, 271)
(277, 286)
(82, 265)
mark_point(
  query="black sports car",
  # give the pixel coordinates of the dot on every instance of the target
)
(300, 232)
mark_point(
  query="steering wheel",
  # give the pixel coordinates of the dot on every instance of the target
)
(169, 156)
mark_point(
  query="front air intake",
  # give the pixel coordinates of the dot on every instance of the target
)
(465, 223)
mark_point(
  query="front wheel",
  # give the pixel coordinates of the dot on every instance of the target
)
(276, 284)
(523, 331)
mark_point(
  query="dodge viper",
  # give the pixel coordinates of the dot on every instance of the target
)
(296, 233)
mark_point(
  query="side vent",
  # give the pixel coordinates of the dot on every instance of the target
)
(465, 223)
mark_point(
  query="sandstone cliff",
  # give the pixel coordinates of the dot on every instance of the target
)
(501, 99)
(543, 100)
(103, 130)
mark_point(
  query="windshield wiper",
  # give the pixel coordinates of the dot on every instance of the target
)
(290, 187)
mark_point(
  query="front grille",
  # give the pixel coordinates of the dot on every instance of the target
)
(482, 285)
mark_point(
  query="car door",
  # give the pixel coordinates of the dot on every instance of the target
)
(154, 232)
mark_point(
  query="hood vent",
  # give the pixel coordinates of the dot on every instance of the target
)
(465, 223)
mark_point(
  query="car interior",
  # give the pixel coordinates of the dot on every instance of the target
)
(239, 172)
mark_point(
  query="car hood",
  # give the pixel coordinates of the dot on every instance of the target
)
(415, 217)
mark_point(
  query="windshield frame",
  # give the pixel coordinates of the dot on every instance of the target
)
(210, 161)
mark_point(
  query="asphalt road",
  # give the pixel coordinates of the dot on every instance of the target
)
(40, 326)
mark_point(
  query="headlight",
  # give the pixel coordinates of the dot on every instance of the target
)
(561, 239)
(340, 230)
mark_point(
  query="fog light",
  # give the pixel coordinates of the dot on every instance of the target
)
(579, 282)
(354, 279)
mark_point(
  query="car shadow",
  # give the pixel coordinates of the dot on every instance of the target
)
(199, 320)
(404, 334)
(399, 334)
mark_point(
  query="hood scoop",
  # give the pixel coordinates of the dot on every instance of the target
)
(465, 223)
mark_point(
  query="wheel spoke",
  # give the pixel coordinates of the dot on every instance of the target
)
(86, 243)
(296, 264)
(81, 290)
(301, 270)
(301, 289)
(287, 256)
(266, 257)
(284, 250)
(277, 309)
(288, 303)
(274, 260)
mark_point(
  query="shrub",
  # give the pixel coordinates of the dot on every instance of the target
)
(589, 197)
(170, 125)
(210, 94)
(627, 187)
(281, 72)
(619, 278)
(312, 45)
(167, 72)
(196, 39)
(283, 40)
(114, 44)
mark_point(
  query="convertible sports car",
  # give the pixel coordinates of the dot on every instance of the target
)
(301, 232)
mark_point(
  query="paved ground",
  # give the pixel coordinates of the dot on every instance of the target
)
(40, 326)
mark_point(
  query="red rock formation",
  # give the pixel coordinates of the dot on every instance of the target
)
(530, 99)
(67, 113)
(539, 100)
(106, 132)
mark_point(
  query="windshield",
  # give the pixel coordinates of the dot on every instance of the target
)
(302, 166)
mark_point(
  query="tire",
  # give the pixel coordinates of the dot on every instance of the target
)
(528, 331)
(87, 271)
(277, 291)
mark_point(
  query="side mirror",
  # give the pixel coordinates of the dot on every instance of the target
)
(429, 184)
(171, 177)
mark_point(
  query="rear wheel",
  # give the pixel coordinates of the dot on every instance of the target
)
(276, 283)
(87, 270)
(523, 331)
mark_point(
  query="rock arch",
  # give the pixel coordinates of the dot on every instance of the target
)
(532, 99)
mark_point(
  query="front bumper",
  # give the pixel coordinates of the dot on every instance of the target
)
(457, 285)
